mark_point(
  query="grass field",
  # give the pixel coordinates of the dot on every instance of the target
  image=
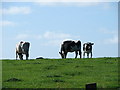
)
(60, 73)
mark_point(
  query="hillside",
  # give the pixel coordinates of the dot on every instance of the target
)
(60, 73)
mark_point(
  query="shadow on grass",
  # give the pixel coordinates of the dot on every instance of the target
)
(13, 80)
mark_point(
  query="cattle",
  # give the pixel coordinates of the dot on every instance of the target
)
(22, 48)
(87, 48)
(70, 46)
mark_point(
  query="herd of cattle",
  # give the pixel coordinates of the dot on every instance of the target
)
(66, 46)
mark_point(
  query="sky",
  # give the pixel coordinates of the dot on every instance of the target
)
(47, 24)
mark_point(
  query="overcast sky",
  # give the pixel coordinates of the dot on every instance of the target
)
(47, 24)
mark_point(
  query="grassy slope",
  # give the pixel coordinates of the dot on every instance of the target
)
(60, 73)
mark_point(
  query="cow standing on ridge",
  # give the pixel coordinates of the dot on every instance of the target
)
(87, 48)
(70, 46)
(22, 48)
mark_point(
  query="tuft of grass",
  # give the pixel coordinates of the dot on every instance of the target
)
(60, 73)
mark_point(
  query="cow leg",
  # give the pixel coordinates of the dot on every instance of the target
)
(91, 54)
(76, 53)
(83, 54)
(27, 55)
(65, 54)
(80, 53)
(20, 56)
(16, 55)
(87, 55)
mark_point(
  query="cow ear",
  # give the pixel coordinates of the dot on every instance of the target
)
(92, 43)
(59, 52)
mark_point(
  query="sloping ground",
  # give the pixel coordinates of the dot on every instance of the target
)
(60, 73)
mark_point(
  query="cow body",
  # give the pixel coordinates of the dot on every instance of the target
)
(22, 48)
(70, 46)
(87, 48)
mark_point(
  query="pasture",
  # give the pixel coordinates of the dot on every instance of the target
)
(60, 73)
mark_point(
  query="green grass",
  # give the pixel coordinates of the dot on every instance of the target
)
(60, 73)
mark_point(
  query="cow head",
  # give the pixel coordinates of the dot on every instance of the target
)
(21, 42)
(92, 43)
(20, 56)
(62, 55)
(90, 46)
(87, 46)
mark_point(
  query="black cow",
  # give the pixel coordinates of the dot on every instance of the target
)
(87, 48)
(70, 46)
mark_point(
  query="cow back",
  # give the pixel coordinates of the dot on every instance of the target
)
(71, 46)
(25, 47)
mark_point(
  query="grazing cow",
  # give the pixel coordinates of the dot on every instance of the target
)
(87, 48)
(70, 46)
(22, 48)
